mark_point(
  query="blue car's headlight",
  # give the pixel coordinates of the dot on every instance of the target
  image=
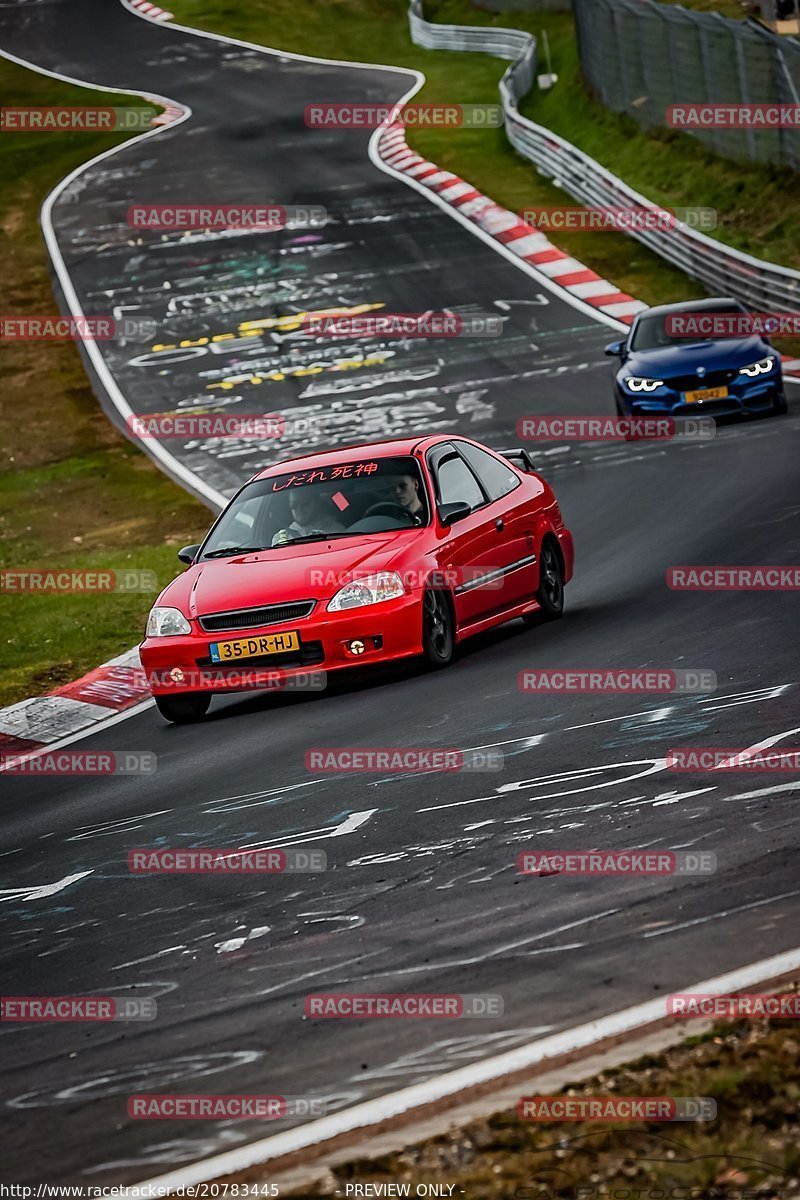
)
(636, 383)
(763, 367)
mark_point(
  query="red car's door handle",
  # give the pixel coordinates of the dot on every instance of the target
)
(499, 524)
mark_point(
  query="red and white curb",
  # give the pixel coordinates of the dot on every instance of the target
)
(172, 112)
(33, 725)
(151, 10)
(531, 245)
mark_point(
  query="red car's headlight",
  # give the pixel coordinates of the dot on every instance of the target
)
(166, 622)
(371, 589)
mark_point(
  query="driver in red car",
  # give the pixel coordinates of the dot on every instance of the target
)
(405, 489)
(309, 515)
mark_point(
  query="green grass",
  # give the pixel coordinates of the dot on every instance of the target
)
(74, 494)
(749, 1150)
(736, 10)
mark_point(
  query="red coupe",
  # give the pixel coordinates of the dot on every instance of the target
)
(368, 553)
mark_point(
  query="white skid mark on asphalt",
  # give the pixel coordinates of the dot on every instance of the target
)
(353, 822)
(120, 825)
(44, 890)
(524, 743)
(148, 958)
(331, 967)
(625, 717)
(674, 797)
(773, 790)
(744, 755)
(714, 703)
(231, 944)
(652, 766)
(252, 799)
(726, 912)
(481, 958)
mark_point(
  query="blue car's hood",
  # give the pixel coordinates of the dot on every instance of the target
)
(722, 355)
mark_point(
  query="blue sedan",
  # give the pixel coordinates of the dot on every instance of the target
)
(663, 371)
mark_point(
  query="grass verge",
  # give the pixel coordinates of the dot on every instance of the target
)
(749, 1152)
(74, 494)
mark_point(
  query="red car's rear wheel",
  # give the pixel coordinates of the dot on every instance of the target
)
(550, 593)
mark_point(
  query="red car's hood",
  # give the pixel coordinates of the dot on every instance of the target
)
(313, 571)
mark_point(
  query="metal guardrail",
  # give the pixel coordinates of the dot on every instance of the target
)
(762, 286)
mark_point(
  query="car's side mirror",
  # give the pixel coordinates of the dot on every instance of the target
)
(450, 513)
(615, 349)
(187, 554)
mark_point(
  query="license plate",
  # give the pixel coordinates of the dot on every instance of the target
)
(254, 647)
(706, 394)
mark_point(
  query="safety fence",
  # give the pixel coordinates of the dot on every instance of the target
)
(642, 58)
(762, 286)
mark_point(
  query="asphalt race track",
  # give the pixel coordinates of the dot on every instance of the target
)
(421, 892)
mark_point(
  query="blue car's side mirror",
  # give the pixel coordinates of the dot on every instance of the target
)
(615, 349)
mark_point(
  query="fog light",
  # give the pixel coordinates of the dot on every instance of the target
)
(356, 647)
(177, 675)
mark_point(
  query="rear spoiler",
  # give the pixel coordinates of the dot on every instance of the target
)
(520, 455)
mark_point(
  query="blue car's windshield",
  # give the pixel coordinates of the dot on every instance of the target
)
(663, 329)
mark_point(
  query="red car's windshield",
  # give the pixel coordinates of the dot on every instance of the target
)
(362, 495)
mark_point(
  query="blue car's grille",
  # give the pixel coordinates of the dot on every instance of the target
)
(693, 383)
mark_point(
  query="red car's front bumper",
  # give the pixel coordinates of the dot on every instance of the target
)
(388, 631)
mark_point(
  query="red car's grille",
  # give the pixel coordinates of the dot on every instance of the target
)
(251, 618)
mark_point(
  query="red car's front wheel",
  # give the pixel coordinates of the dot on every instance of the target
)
(438, 629)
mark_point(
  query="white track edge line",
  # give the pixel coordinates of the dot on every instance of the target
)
(175, 469)
(394, 1104)
(99, 726)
